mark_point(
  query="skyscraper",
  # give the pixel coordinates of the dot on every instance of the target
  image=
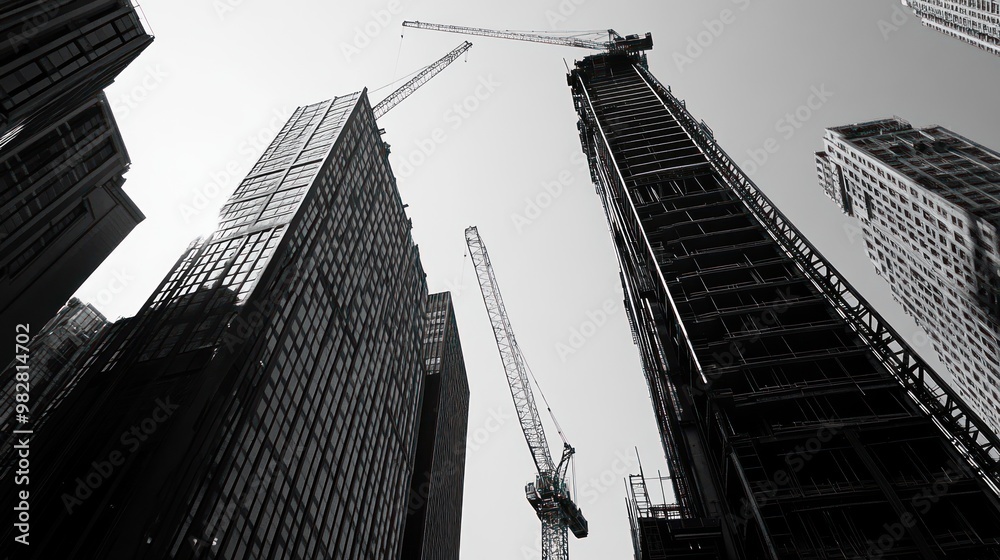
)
(929, 205)
(264, 402)
(795, 422)
(59, 54)
(434, 519)
(976, 22)
(62, 210)
(61, 156)
(56, 351)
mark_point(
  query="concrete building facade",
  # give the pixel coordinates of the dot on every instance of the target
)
(928, 201)
(976, 22)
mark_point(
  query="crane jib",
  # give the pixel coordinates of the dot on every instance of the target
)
(548, 494)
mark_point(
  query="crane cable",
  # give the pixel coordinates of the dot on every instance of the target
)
(548, 407)
(545, 400)
(408, 76)
(461, 279)
(394, 82)
(558, 34)
(400, 50)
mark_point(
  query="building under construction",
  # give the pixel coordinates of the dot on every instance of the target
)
(795, 421)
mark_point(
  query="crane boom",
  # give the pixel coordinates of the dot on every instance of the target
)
(510, 353)
(615, 43)
(515, 35)
(548, 494)
(420, 79)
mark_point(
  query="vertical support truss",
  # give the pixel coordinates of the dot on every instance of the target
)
(795, 422)
(514, 365)
(555, 536)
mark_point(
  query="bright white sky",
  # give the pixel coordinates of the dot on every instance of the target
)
(197, 108)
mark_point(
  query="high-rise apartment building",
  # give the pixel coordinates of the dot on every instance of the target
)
(976, 22)
(929, 205)
(62, 210)
(264, 402)
(795, 422)
(434, 518)
(58, 54)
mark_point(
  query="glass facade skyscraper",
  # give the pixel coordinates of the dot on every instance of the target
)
(58, 54)
(928, 201)
(795, 422)
(62, 211)
(264, 402)
(62, 208)
(434, 518)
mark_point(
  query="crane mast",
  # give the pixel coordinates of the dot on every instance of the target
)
(615, 43)
(549, 494)
(414, 83)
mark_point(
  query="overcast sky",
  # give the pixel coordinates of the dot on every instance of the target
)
(478, 145)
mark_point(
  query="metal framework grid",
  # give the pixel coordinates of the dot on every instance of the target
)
(792, 415)
(960, 423)
(420, 79)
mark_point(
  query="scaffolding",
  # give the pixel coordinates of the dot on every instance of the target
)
(661, 532)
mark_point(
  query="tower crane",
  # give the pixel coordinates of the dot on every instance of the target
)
(548, 494)
(615, 43)
(414, 83)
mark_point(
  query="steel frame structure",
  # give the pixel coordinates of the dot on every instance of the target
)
(754, 347)
(957, 420)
